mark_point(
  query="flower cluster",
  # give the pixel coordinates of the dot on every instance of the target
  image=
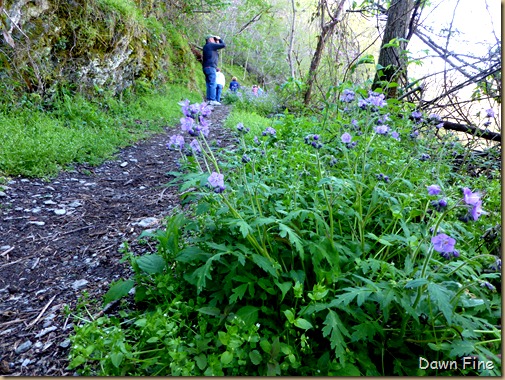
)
(176, 142)
(374, 100)
(474, 200)
(269, 131)
(444, 244)
(417, 116)
(435, 120)
(424, 157)
(381, 129)
(347, 96)
(242, 129)
(382, 177)
(216, 181)
(490, 113)
(313, 140)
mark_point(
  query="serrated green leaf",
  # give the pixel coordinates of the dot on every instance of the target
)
(238, 292)
(255, 357)
(335, 329)
(442, 298)
(249, 314)
(264, 264)
(293, 238)
(151, 264)
(462, 348)
(303, 324)
(190, 254)
(412, 284)
(118, 290)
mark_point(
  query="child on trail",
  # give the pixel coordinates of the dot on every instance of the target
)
(255, 90)
(209, 64)
(234, 85)
(220, 82)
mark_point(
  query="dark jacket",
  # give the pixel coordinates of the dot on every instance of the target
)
(210, 54)
(234, 85)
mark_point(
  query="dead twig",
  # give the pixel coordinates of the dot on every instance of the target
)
(43, 311)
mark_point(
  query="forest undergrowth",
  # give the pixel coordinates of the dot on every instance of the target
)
(343, 244)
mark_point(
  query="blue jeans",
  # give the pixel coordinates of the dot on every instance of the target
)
(210, 82)
(219, 91)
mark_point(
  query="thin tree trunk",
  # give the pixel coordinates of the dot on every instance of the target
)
(326, 30)
(291, 39)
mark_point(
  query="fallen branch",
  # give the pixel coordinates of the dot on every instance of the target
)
(488, 135)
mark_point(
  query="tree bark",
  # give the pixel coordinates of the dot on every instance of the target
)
(393, 59)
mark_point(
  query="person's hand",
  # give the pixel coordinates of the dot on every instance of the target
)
(217, 38)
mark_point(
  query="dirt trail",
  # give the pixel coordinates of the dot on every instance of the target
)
(61, 238)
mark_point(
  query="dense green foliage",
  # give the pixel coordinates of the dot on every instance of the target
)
(38, 141)
(339, 245)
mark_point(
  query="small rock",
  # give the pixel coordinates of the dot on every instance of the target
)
(79, 284)
(38, 223)
(50, 188)
(134, 160)
(23, 347)
(60, 211)
(147, 222)
(69, 326)
(5, 247)
(75, 204)
(49, 202)
(124, 164)
(36, 210)
(65, 343)
(24, 180)
(142, 187)
(38, 345)
(45, 331)
(2, 194)
(26, 362)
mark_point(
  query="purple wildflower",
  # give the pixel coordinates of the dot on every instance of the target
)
(355, 123)
(187, 124)
(346, 138)
(333, 161)
(477, 211)
(440, 125)
(442, 203)
(434, 118)
(488, 285)
(245, 159)
(195, 145)
(434, 190)
(487, 123)
(490, 112)
(185, 107)
(395, 135)
(176, 142)
(471, 198)
(362, 103)
(383, 119)
(443, 243)
(381, 129)
(414, 134)
(425, 157)
(347, 96)
(270, 131)
(417, 115)
(376, 100)
(216, 180)
(240, 127)
(496, 266)
(315, 137)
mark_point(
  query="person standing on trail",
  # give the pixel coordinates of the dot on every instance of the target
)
(220, 82)
(209, 64)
